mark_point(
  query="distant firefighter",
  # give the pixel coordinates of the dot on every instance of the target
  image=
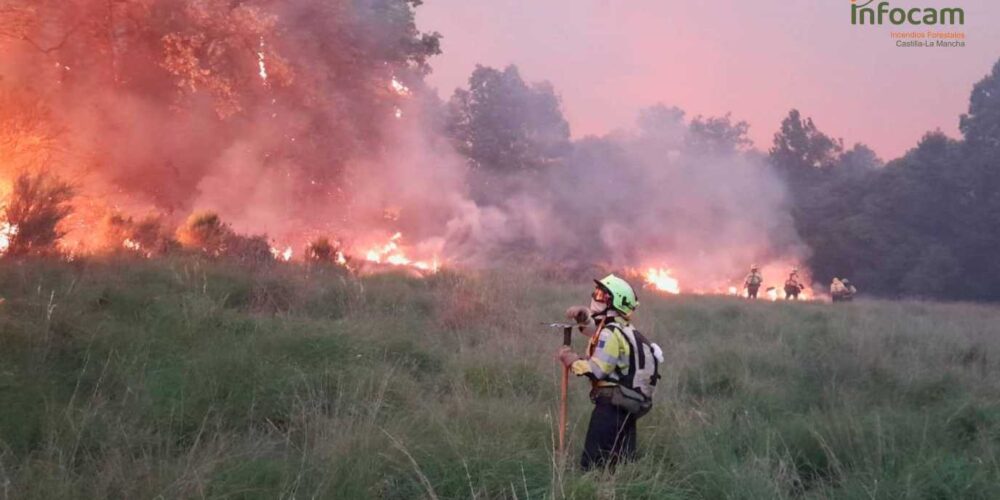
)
(793, 286)
(842, 290)
(753, 282)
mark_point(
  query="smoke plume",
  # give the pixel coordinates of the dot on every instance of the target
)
(310, 118)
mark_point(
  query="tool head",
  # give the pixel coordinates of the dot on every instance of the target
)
(567, 330)
(558, 325)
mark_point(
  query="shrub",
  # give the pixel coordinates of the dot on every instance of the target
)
(206, 232)
(247, 250)
(322, 250)
(145, 236)
(37, 204)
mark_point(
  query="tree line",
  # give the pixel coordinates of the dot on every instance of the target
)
(926, 224)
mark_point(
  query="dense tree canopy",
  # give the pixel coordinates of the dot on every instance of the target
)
(925, 225)
(503, 124)
(800, 149)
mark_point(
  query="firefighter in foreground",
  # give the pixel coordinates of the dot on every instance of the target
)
(753, 282)
(622, 366)
(793, 286)
(842, 290)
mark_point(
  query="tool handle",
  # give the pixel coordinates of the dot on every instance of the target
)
(562, 411)
(567, 335)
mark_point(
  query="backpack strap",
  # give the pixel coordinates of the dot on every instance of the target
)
(627, 379)
(641, 340)
(656, 374)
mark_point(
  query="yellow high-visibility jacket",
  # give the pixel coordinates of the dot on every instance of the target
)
(609, 354)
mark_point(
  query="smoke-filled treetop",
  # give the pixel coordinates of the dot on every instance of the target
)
(159, 100)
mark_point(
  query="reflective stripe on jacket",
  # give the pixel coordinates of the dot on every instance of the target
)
(609, 358)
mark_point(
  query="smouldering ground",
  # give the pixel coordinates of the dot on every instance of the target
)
(182, 378)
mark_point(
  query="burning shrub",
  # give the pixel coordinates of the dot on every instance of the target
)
(145, 236)
(247, 250)
(206, 232)
(323, 251)
(37, 204)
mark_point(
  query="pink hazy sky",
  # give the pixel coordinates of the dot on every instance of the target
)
(757, 59)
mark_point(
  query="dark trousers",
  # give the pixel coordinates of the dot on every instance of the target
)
(752, 291)
(610, 436)
(792, 292)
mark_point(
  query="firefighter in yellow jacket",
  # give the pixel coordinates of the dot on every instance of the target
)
(611, 434)
(753, 281)
(842, 290)
(793, 287)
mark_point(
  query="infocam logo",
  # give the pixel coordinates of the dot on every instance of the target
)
(883, 12)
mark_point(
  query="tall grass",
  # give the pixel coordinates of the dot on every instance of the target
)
(183, 378)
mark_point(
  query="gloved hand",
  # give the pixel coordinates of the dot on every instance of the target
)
(566, 356)
(579, 314)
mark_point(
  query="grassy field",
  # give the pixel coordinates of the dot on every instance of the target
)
(187, 379)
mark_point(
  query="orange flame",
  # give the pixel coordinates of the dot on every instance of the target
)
(282, 255)
(661, 279)
(667, 280)
(132, 244)
(391, 254)
(7, 230)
